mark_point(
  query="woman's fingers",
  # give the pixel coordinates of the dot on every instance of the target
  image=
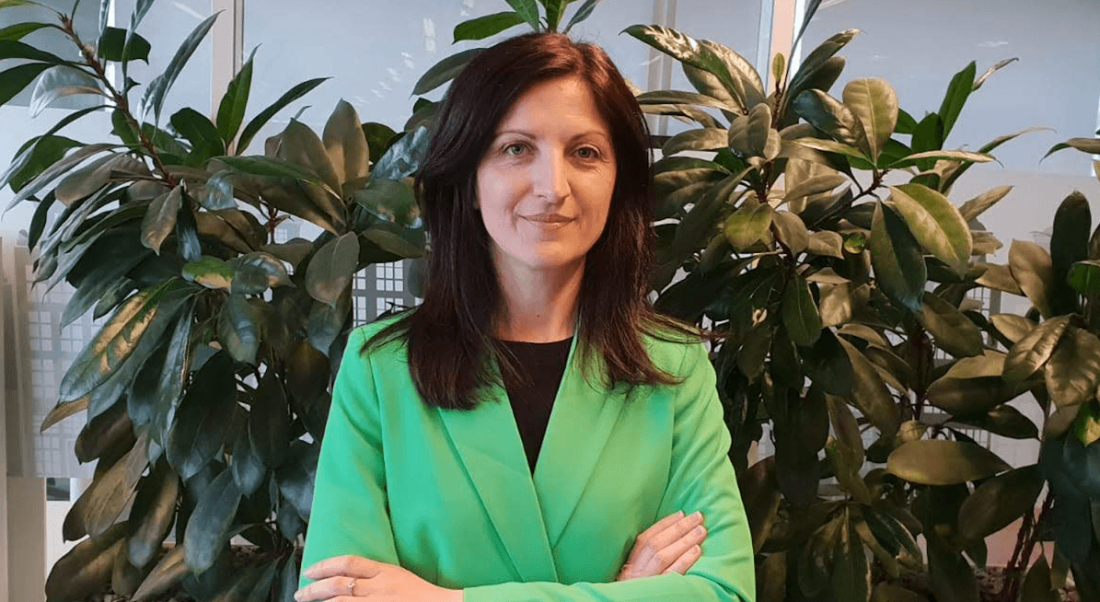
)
(655, 544)
(685, 561)
(348, 566)
(326, 589)
(650, 533)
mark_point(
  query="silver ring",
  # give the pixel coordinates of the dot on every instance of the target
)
(351, 587)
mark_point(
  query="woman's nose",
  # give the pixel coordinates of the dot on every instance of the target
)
(550, 178)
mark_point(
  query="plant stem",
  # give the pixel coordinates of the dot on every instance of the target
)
(120, 100)
(1026, 540)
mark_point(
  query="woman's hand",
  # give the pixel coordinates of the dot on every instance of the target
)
(358, 578)
(670, 545)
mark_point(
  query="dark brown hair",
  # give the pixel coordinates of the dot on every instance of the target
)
(449, 336)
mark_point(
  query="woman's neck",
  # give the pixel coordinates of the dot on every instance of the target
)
(539, 306)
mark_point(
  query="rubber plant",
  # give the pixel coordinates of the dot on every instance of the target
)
(206, 388)
(816, 233)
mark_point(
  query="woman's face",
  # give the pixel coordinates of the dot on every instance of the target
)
(544, 185)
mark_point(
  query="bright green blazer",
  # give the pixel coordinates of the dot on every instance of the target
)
(449, 495)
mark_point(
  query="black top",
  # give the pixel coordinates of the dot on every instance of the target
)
(542, 365)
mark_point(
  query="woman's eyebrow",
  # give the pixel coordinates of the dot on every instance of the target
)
(584, 134)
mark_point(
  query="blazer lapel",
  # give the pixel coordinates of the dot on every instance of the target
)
(487, 441)
(582, 419)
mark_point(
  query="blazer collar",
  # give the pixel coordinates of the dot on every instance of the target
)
(529, 513)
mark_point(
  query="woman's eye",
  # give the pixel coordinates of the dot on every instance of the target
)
(587, 152)
(514, 150)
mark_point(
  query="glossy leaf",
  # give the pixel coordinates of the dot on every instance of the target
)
(1004, 420)
(973, 208)
(486, 26)
(1086, 145)
(331, 268)
(113, 46)
(869, 393)
(899, 265)
(206, 141)
(748, 225)
(958, 91)
(1073, 372)
(952, 578)
(851, 578)
(259, 121)
(1069, 243)
(208, 527)
(935, 223)
(875, 104)
(15, 80)
(1000, 501)
(953, 331)
(390, 200)
(210, 272)
(346, 144)
(152, 514)
(254, 273)
(234, 102)
(1033, 350)
(85, 569)
(752, 135)
(269, 422)
(800, 315)
(203, 416)
(790, 231)
(58, 82)
(167, 573)
(685, 49)
(1032, 268)
(296, 477)
(940, 462)
(702, 139)
(403, 159)
(832, 117)
(1084, 277)
(147, 313)
(582, 14)
(444, 71)
(238, 329)
(660, 97)
(247, 467)
(160, 219)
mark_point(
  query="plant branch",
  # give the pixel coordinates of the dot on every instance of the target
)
(119, 98)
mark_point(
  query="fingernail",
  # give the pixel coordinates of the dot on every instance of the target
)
(697, 514)
(695, 549)
(700, 530)
(298, 595)
(680, 513)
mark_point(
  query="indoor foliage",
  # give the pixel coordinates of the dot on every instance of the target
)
(842, 291)
(815, 232)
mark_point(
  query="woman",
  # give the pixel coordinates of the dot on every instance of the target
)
(534, 342)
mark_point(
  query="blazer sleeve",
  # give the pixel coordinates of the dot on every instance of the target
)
(701, 478)
(349, 513)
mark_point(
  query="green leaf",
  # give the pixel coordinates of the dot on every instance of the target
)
(1085, 145)
(445, 70)
(14, 80)
(254, 273)
(378, 137)
(331, 268)
(677, 97)
(790, 231)
(875, 104)
(147, 313)
(403, 159)
(114, 46)
(869, 393)
(899, 265)
(269, 167)
(748, 224)
(936, 155)
(999, 501)
(847, 450)
(1073, 372)
(297, 476)
(952, 578)
(160, 218)
(1087, 426)
(300, 146)
(832, 117)
(800, 315)
(99, 282)
(58, 82)
(935, 223)
(940, 462)
(259, 121)
(958, 91)
(204, 415)
(12, 49)
(392, 241)
(1032, 269)
(158, 88)
(1033, 350)
(815, 564)
(1003, 420)
(973, 208)
(346, 144)
(208, 527)
(486, 26)
(830, 146)
(752, 135)
(85, 569)
(1037, 585)
(269, 422)
(389, 200)
(528, 10)
(238, 329)
(973, 386)
(821, 61)
(993, 69)
(209, 272)
(954, 333)
(702, 139)
(851, 578)
(247, 467)
(233, 104)
(582, 14)
(1069, 243)
(205, 140)
(169, 571)
(152, 514)
(691, 52)
(17, 31)
(987, 148)
(1084, 277)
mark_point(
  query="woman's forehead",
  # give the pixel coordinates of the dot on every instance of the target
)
(560, 104)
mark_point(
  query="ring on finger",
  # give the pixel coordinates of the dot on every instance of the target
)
(351, 587)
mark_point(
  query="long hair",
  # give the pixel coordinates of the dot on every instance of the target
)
(449, 339)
